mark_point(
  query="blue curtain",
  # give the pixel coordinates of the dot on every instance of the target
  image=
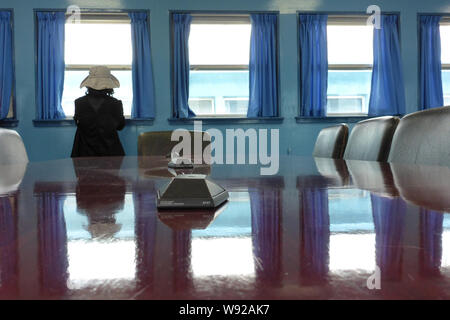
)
(387, 95)
(8, 246)
(263, 84)
(142, 71)
(52, 243)
(388, 217)
(50, 64)
(431, 94)
(266, 234)
(315, 235)
(181, 29)
(431, 227)
(6, 63)
(313, 64)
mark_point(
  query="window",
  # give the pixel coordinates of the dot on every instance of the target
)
(445, 58)
(219, 53)
(99, 39)
(350, 61)
(202, 105)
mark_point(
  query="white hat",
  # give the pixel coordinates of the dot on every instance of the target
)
(100, 78)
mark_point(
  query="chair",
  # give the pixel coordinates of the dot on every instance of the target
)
(331, 142)
(370, 140)
(159, 143)
(12, 149)
(423, 137)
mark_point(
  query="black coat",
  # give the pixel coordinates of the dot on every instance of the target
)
(97, 127)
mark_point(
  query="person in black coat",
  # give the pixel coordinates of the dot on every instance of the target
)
(98, 117)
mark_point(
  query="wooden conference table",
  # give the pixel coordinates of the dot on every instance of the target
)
(89, 228)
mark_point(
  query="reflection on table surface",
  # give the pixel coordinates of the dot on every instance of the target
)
(90, 228)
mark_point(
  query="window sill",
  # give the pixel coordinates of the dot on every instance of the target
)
(9, 123)
(347, 119)
(226, 120)
(70, 122)
(54, 123)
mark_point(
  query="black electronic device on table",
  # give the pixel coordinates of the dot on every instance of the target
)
(191, 191)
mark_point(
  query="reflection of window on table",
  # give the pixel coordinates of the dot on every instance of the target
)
(350, 61)
(445, 262)
(225, 246)
(352, 239)
(219, 53)
(94, 261)
(100, 39)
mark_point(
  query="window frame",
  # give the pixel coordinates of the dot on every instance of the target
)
(69, 122)
(94, 18)
(348, 20)
(227, 19)
(445, 21)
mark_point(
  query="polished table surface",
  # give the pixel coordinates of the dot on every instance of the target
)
(319, 229)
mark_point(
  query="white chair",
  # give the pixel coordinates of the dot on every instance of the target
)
(12, 149)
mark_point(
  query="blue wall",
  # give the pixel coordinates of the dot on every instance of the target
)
(56, 142)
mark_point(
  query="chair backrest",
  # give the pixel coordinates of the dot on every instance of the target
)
(331, 142)
(371, 139)
(159, 143)
(423, 137)
(12, 149)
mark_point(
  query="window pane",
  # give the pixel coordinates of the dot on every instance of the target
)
(219, 44)
(236, 105)
(94, 44)
(445, 44)
(202, 106)
(350, 44)
(446, 86)
(72, 90)
(220, 85)
(348, 91)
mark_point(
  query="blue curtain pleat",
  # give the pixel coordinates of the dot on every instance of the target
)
(388, 217)
(8, 252)
(266, 234)
(142, 70)
(181, 67)
(431, 225)
(387, 95)
(315, 234)
(50, 64)
(52, 243)
(263, 84)
(6, 63)
(431, 93)
(313, 64)
(145, 212)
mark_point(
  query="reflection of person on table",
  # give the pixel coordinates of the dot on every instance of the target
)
(100, 197)
(98, 116)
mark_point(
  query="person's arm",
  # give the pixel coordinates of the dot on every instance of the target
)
(119, 116)
(76, 116)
